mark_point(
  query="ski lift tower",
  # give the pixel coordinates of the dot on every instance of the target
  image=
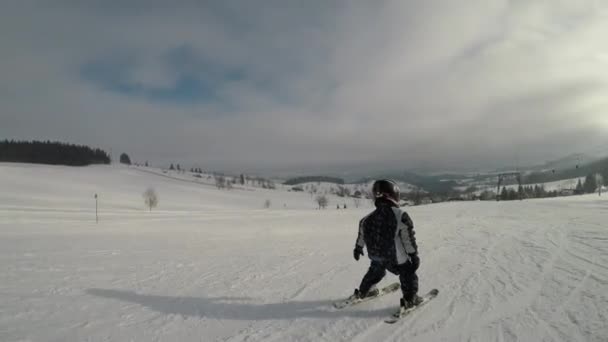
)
(508, 175)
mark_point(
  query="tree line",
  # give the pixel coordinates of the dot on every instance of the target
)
(51, 152)
(313, 179)
(523, 192)
(591, 184)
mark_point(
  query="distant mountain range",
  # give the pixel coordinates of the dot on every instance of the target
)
(568, 167)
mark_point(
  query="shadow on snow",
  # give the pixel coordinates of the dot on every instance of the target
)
(236, 308)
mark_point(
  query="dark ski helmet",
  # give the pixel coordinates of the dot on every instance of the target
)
(386, 188)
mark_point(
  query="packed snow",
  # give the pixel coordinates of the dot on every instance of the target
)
(215, 265)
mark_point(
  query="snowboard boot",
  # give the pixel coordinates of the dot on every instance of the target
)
(371, 293)
(408, 304)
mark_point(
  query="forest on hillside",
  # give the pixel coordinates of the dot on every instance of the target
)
(51, 152)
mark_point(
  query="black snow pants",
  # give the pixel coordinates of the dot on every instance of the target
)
(406, 272)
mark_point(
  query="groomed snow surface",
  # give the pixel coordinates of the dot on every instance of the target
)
(213, 265)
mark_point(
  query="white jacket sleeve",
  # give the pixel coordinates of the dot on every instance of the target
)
(407, 234)
(360, 238)
(405, 241)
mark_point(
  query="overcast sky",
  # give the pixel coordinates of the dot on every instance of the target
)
(283, 84)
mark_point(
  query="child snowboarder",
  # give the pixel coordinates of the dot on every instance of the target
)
(388, 233)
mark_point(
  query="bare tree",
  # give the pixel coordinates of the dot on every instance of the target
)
(150, 198)
(220, 181)
(322, 201)
(343, 191)
(312, 190)
(600, 183)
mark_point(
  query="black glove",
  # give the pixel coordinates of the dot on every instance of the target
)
(358, 252)
(414, 261)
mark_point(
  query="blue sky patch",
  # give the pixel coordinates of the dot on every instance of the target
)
(196, 81)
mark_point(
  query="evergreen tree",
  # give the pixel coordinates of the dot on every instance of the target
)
(529, 192)
(543, 192)
(504, 194)
(521, 193)
(590, 184)
(537, 191)
(579, 188)
(124, 159)
(512, 195)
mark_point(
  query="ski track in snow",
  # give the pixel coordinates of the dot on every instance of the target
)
(210, 265)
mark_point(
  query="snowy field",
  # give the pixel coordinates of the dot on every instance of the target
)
(211, 265)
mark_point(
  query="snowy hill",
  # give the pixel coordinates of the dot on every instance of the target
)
(213, 265)
(120, 189)
(565, 184)
(349, 188)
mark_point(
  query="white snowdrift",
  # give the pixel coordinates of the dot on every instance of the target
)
(211, 265)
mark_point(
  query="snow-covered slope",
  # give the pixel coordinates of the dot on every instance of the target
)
(333, 188)
(211, 265)
(120, 189)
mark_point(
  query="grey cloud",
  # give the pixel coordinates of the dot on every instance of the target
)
(313, 83)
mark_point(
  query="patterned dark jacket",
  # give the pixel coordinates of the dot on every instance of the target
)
(388, 233)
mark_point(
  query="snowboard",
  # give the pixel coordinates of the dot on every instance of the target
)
(404, 312)
(352, 300)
